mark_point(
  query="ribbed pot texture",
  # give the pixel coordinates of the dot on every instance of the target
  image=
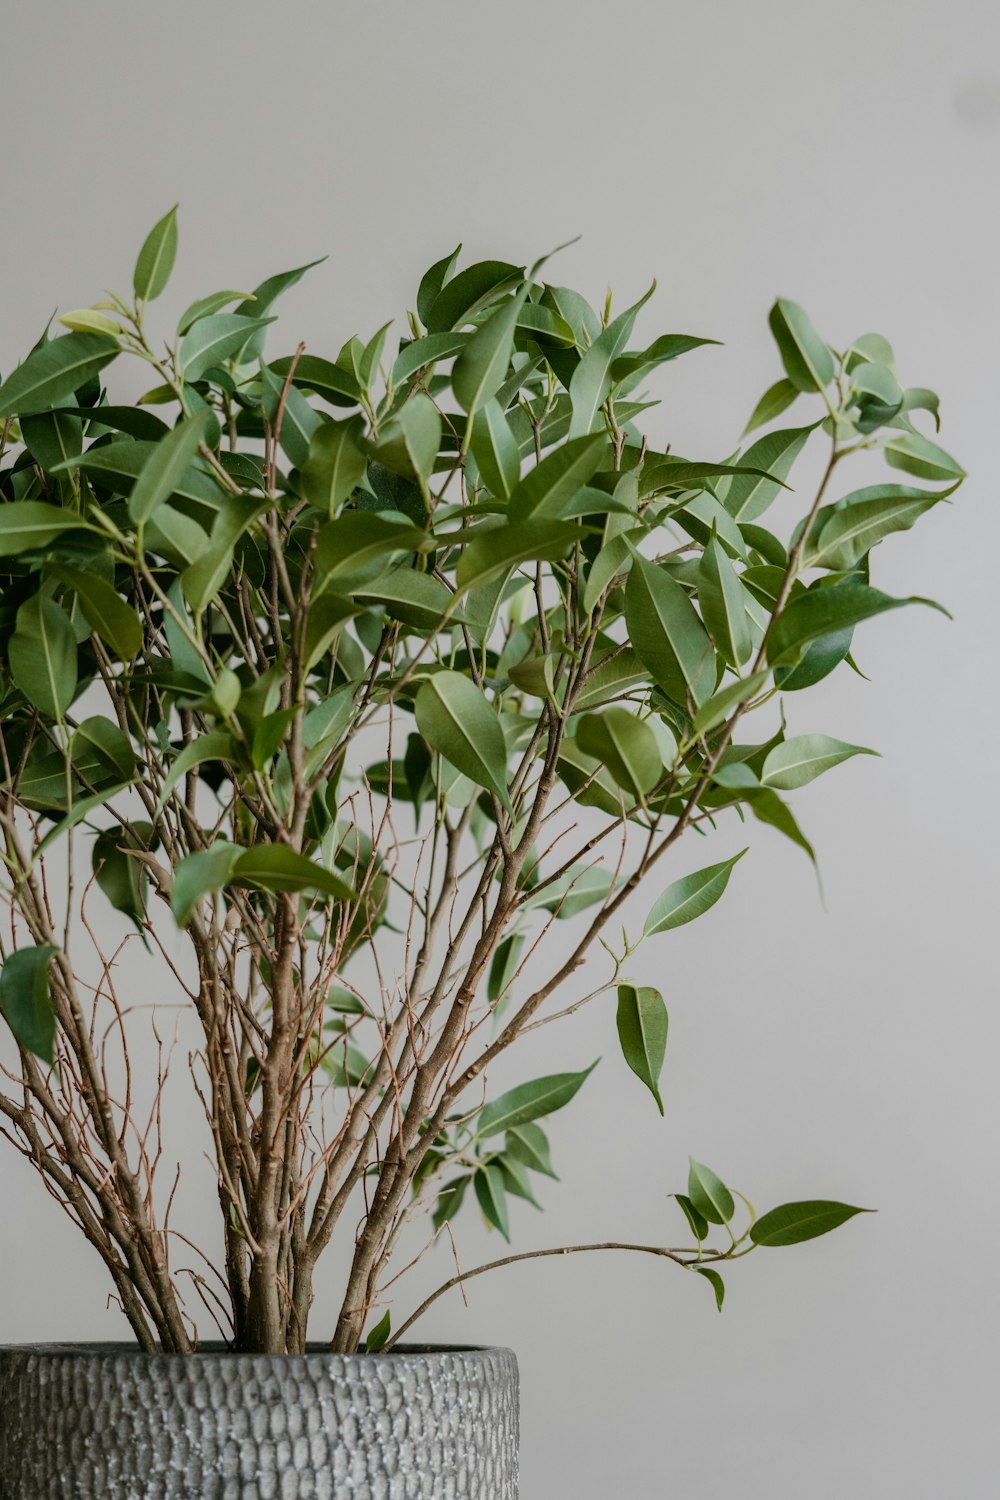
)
(107, 1422)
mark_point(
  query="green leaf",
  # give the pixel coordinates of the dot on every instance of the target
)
(165, 468)
(749, 495)
(721, 704)
(547, 490)
(417, 599)
(625, 745)
(591, 381)
(120, 876)
(457, 721)
(105, 611)
(479, 370)
(42, 656)
(492, 1195)
(30, 525)
(529, 1144)
(775, 400)
(419, 353)
(794, 1222)
(25, 1000)
(449, 1201)
(642, 1031)
(807, 360)
(629, 369)
(797, 761)
(54, 437)
(433, 280)
(205, 306)
(53, 371)
(697, 1223)
(820, 611)
(276, 868)
(723, 603)
(690, 897)
(335, 465)
(358, 544)
(530, 1101)
(328, 613)
(863, 518)
(667, 634)
(504, 965)
(213, 340)
(379, 1335)
(156, 258)
(495, 450)
(338, 386)
(709, 1194)
(579, 887)
(496, 550)
(218, 745)
(471, 289)
(716, 1281)
(909, 451)
(202, 874)
(409, 443)
(100, 752)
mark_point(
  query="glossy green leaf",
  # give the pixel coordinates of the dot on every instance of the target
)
(642, 1032)
(338, 386)
(199, 875)
(204, 307)
(156, 258)
(545, 492)
(723, 603)
(495, 551)
(54, 371)
(359, 543)
(456, 720)
(481, 367)
(335, 465)
(696, 1222)
(749, 495)
(807, 359)
(495, 450)
(709, 1194)
(775, 400)
(217, 745)
(492, 1196)
(716, 1282)
(54, 437)
(214, 340)
(327, 615)
(120, 876)
(416, 599)
(165, 468)
(465, 293)
(529, 1144)
(667, 634)
(29, 525)
(409, 443)
(592, 380)
(42, 656)
(862, 519)
(715, 710)
(433, 280)
(449, 1201)
(504, 965)
(26, 1002)
(628, 369)
(276, 868)
(794, 1222)
(378, 1336)
(581, 886)
(820, 612)
(625, 745)
(530, 1101)
(797, 761)
(690, 897)
(105, 611)
(418, 354)
(914, 454)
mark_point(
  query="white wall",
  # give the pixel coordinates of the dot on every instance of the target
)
(846, 156)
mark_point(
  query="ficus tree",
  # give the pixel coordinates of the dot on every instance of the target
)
(348, 683)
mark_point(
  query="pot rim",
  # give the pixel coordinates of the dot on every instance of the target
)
(216, 1349)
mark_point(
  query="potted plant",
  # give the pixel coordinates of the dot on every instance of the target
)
(344, 682)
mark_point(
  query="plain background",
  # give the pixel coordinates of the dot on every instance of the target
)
(846, 156)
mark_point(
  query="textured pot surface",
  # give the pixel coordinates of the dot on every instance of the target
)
(107, 1422)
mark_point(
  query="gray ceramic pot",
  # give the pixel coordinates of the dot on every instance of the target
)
(106, 1422)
